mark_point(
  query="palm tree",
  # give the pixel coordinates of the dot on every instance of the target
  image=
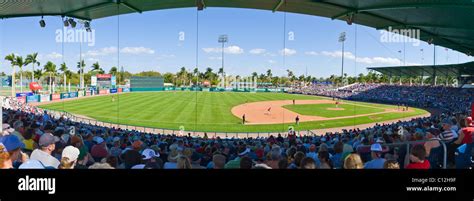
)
(63, 69)
(269, 75)
(38, 73)
(50, 68)
(32, 59)
(221, 71)
(20, 63)
(113, 70)
(11, 58)
(81, 66)
(96, 68)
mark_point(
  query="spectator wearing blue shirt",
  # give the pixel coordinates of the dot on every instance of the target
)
(377, 161)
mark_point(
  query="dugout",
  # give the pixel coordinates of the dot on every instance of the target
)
(147, 84)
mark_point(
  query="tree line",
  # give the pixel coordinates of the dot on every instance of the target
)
(183, 77)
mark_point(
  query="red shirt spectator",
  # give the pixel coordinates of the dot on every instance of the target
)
(423, 165)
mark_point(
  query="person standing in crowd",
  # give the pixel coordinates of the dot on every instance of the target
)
(376, 154)
(47, 143)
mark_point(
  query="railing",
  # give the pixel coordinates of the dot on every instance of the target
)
(211, 134)
(407, 143)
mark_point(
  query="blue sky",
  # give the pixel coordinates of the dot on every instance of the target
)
(150, 41)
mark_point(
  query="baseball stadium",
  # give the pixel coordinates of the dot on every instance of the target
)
(262, 84)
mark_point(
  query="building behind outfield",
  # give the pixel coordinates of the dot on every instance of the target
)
(147, 83)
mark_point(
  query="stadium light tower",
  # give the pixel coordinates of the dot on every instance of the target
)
(342, 38)
(223, 39)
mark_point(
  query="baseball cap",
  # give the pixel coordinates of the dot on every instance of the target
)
(32, 164)
(11, 142)
(71, 152)
(376, 147)
(99, 140)
(116, 139)
(149, 153)
(47, 139)
(7, 129)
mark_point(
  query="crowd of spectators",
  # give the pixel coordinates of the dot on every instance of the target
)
(33, 138)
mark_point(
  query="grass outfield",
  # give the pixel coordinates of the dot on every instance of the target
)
(324, 110)
(203, 111)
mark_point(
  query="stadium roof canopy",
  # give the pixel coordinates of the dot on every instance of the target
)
(447, 23)
(455, 70)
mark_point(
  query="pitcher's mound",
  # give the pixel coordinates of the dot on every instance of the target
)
(334, 108)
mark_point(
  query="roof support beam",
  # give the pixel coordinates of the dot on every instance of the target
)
(129, 6)
(43, 14)
(94, 6)
(404, 6)
(398, 26)
(278, 5)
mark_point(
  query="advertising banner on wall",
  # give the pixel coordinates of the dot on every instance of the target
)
(103, 91)
(32, 99)
(113, 91)
(55, 97)
(24, 94)
(45, 98)
(73, 95)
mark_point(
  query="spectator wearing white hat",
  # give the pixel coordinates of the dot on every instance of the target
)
(149, 156)
(377, 161)
(7, 129)
(69, 157)
(47, 143)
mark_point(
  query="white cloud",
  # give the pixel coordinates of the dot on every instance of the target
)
(54, 55)
(113, 50)
(101, 52)
(233, 49)
(215, 58)
(137, 50)
(271, 61)
(287, 52)
(312, 53)
(367, 60)
(257, 51)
